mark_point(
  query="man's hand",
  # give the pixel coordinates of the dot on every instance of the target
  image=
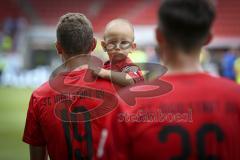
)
(38, 153)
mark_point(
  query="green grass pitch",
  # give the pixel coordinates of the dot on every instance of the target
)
(13, 109)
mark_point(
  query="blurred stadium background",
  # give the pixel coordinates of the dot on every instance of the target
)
(27, 52)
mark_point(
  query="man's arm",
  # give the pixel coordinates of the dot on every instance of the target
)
(38, 152)
(118, 144)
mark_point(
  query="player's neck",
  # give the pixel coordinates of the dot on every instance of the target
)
(76, 63)
(183, 63)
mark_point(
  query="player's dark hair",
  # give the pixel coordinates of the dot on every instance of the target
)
(74, 33)
(185, 23)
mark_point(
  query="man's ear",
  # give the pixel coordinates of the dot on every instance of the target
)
(208, 39)
(94, 44)
(59, 48)
(103, 44)
(159, 36)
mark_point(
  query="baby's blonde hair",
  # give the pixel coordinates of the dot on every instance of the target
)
(118, 21)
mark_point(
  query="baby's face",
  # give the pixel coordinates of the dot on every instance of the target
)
(118, 44)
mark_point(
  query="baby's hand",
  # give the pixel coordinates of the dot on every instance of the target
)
(103, 73)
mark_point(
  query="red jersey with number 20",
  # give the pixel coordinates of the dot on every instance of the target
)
(199, 119)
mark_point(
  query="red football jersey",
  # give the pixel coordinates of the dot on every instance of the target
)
(70, 124)
(126, 66)
(198, 119)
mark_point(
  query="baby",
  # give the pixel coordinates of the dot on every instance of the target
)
(118, 43)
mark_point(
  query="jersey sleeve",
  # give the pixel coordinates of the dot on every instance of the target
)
(32, 132)
(118, 140)
(134, 72)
